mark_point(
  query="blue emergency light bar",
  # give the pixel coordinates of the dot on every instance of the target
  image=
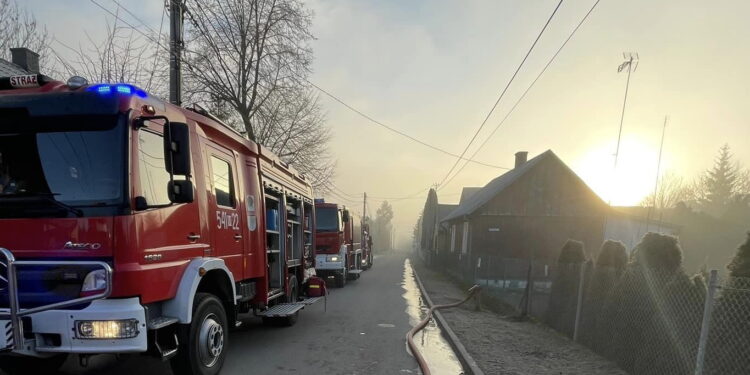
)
(119, 88)
(320, 200)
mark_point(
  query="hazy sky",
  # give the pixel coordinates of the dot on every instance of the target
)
(433, 69)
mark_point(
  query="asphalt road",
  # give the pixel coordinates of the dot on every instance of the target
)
(362, 331)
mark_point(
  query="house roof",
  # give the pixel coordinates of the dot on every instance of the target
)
(494, 187)
(467, 193)
(7, 68)
(445, 209)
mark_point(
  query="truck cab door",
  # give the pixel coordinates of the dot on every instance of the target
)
(224, 209)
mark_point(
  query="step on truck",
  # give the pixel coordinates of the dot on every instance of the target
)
(130, 225)
(337, 255)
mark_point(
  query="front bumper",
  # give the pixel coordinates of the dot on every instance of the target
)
(51, 328)
(54, 331)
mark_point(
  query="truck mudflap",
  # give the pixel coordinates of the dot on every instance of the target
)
(67, 339)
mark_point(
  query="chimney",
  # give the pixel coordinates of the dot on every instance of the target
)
(25, 58)
(521, 157)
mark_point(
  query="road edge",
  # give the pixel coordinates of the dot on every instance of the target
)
(464, 357)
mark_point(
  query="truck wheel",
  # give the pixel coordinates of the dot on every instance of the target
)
(31, 365)
(341, 279)
(203, 342)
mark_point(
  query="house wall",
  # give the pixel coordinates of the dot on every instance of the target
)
(539, 212)
(539, 236)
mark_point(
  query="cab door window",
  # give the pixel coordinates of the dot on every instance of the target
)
(152, 173)
(221, 177)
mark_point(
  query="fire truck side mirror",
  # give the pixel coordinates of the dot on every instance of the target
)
(180, 191)
(345, 216)
(177, 148)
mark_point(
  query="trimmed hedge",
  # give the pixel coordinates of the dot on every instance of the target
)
(612, 254)
(740, 265)
(610, 263)
(564, 294)
(659, 251)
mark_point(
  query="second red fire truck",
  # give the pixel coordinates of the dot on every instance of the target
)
(129, 225)
(341, 251)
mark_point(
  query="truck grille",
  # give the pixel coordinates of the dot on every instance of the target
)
(43, 285)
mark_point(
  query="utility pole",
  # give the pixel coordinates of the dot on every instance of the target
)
(175, 51)
(364, 221)
(658, 171)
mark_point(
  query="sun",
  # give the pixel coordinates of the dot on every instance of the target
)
(631, 181)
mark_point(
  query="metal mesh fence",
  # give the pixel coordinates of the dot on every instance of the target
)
(728, 347)
(647, 321)
(516, 282)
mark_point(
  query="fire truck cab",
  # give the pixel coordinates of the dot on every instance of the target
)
(130, 225)
(337, 255)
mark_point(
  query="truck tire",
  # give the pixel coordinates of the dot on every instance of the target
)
(341, 279)
(203, 342)
(31, 365)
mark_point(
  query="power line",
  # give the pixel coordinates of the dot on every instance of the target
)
(572, 33)
(135, 16)
(393, 130)
(512, 78)
(117, 17)
(158, 42)
(338, 191)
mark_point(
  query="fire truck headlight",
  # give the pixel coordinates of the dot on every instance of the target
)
(332, 258)
(107, 329)
(95, 281)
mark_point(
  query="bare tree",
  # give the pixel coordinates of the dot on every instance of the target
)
(122, 56)
(248, 61)
(292, 125)
(19, 28)
(672, 190)
(243, 51)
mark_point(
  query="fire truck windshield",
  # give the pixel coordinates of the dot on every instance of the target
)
(55, 173)
(327, 219)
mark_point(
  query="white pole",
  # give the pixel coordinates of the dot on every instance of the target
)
(580, 301)
(707, 311)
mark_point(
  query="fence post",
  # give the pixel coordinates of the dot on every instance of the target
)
(581, 277)
(708, 309)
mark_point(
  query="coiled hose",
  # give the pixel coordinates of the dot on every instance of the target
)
(410, 336)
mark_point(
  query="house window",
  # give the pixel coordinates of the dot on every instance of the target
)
(465, 239)
(453, 238)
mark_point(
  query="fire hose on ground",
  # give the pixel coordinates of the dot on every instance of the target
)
(410, 336)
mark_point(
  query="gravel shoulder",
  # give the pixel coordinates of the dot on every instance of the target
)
(503, 345)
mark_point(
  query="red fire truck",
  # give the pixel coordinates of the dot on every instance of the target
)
(336, 253)
(128, 224)
(366, 247)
